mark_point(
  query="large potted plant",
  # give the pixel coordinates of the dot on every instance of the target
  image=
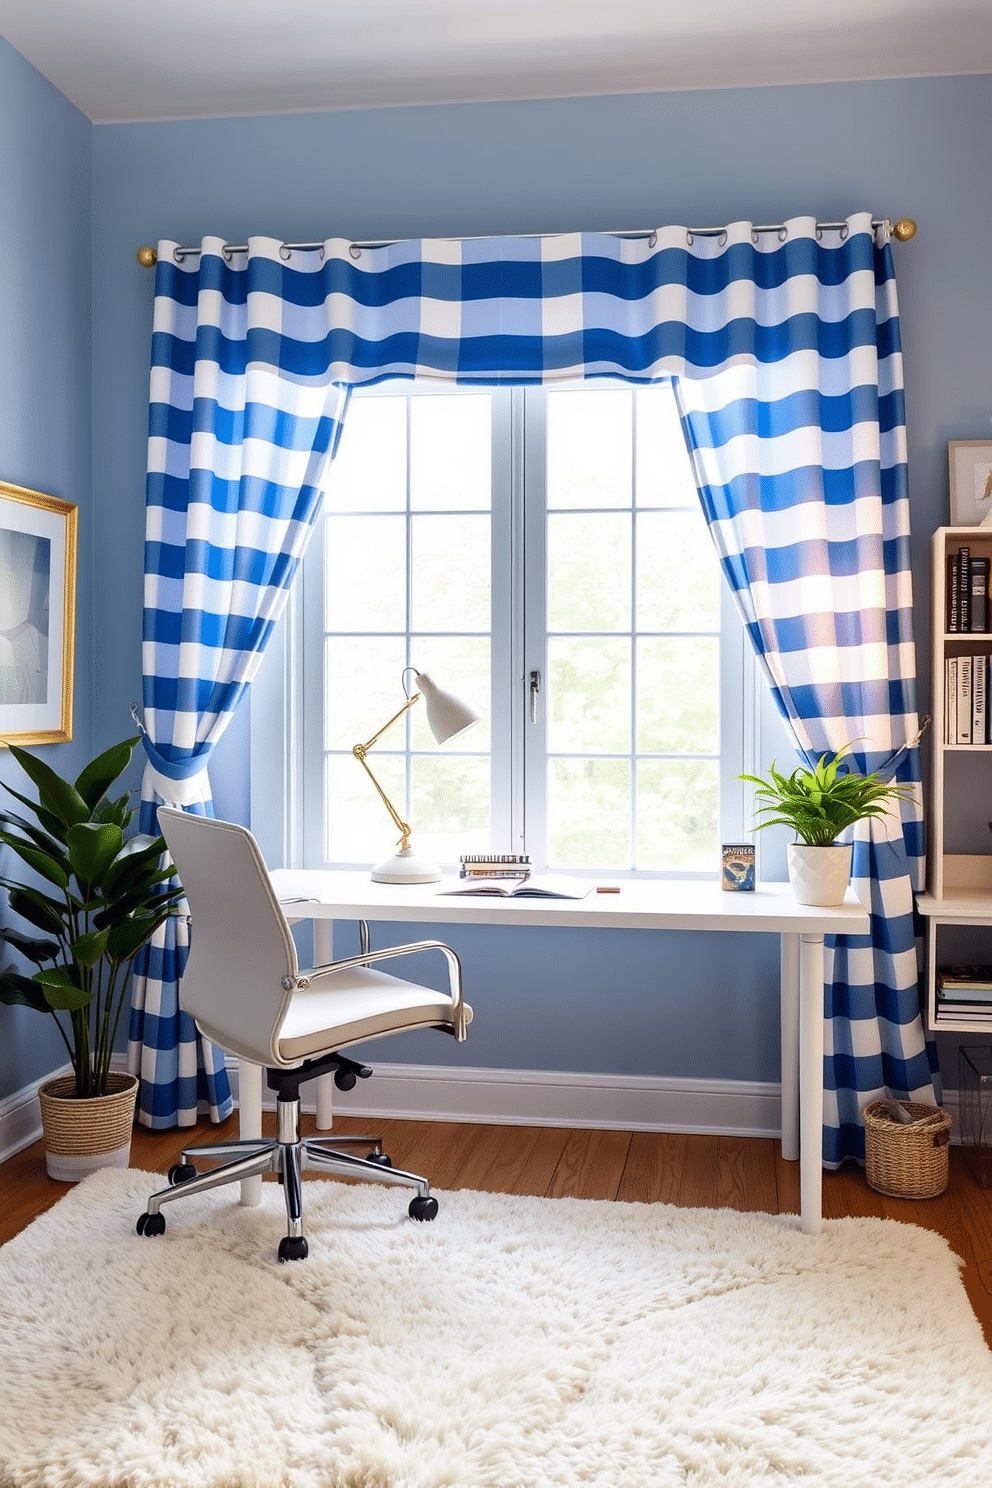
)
(92, 897)
(818, 805)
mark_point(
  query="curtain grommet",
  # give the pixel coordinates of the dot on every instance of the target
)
(354, 251)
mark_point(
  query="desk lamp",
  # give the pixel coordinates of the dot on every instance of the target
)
(447, 716)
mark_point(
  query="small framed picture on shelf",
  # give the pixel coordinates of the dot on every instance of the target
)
(738, 867)
(970, 467)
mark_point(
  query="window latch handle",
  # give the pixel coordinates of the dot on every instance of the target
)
(535, 687)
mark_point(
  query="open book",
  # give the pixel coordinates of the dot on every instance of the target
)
(533, 888)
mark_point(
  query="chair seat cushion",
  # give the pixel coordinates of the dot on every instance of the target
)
(347, 1007)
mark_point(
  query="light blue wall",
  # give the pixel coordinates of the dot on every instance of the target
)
(649, 1005)
(45, 380)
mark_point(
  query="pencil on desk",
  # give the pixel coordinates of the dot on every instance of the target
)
(608, 889)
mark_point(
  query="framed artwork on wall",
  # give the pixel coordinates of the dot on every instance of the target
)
(37, 616)
(970, 466)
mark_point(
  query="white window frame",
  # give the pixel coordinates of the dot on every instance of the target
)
(286, 721)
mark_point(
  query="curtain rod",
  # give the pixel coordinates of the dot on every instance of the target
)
(904, 230)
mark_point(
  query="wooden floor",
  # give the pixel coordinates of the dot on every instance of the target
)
(710, 1172)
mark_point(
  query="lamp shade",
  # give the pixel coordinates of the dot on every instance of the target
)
(447, 715)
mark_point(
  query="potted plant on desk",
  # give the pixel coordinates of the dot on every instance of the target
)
(818, 805)
(93, 899)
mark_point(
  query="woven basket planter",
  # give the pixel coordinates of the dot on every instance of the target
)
(907, 1162)
(83, 1134)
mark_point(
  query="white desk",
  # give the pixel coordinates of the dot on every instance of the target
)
(640, 905)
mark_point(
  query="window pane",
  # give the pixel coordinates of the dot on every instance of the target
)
(677, 802)
(678, 696)
(588, 813)
(663, 469)
(449, 813)
(358, 828)
(362, 690)
(589, 447)
(369, 469)
(365, 573)
(678, 579)
(451, 573)
(450, 452)
(588, 696)
(589, 571)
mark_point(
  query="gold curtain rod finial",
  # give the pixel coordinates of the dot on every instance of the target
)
(904, 230)
(146, 256)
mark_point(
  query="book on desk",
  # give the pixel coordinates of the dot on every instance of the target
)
(542, 887)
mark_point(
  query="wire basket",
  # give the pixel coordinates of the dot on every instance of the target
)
(907, 1161)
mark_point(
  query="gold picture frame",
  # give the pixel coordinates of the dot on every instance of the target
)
(969, 463)
(37, 616)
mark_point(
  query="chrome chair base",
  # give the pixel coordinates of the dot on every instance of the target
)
(288, 1156)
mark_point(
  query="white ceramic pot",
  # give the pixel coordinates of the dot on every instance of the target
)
(819, 875)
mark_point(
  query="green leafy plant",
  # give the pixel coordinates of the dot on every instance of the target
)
(818, 804)
(95, 896)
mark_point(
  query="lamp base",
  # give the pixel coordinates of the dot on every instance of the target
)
(406, 867)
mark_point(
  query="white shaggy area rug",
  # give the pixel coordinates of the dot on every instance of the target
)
(511, 1343)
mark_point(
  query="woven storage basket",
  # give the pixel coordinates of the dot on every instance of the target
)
(83, 1134)
(907, 1162)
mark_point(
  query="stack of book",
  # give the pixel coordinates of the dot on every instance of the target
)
(964, 992)
(966, 687)
(967, 591)
(494, 865)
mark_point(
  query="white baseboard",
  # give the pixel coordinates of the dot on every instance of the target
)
(427, 1092)
(20, 1115)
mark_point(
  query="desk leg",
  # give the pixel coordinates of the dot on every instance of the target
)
(811, 1084)
(250, 1114)
(789, 1005)
(323, 952)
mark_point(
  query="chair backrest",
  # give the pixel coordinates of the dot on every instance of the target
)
(241, 947)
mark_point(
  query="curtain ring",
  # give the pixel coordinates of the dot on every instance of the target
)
(690, 240)
(285, 252)
(754, 237)
(320, 250)
(783, 234)
(653, 239)
(354, 251)
(227, 252)
(721, 241)
(844, 231)
(178, 255)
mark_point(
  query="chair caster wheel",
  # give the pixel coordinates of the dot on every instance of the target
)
(423, 1208)
(380, 1159)
(150, 1224)
(181, 1173)
(293, 1248)
(345, 1079)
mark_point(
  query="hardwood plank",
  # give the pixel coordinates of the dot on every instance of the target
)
(745, 1177)
(786, 1182)
(522, 1160)
(652, 1173)
(591, 1165)
(699, 1173)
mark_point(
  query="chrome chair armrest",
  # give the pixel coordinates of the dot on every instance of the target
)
(461, 1013)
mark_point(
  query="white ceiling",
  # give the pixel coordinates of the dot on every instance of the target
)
(213, 58)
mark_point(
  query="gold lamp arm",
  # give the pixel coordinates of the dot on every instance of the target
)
(361, 750)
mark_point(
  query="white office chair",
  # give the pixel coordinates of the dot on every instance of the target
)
(246, 992)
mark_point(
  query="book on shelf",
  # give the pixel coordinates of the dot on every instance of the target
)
(965, 981)
(951, 701)
(494, 865)
(979, 699)
(527, 888)
(953, 617)
(964, 699)
(978, 598)
(964, 587)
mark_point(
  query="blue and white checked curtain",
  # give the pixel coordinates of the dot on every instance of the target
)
(784, 349)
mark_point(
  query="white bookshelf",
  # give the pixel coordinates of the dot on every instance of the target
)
(959, 850)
